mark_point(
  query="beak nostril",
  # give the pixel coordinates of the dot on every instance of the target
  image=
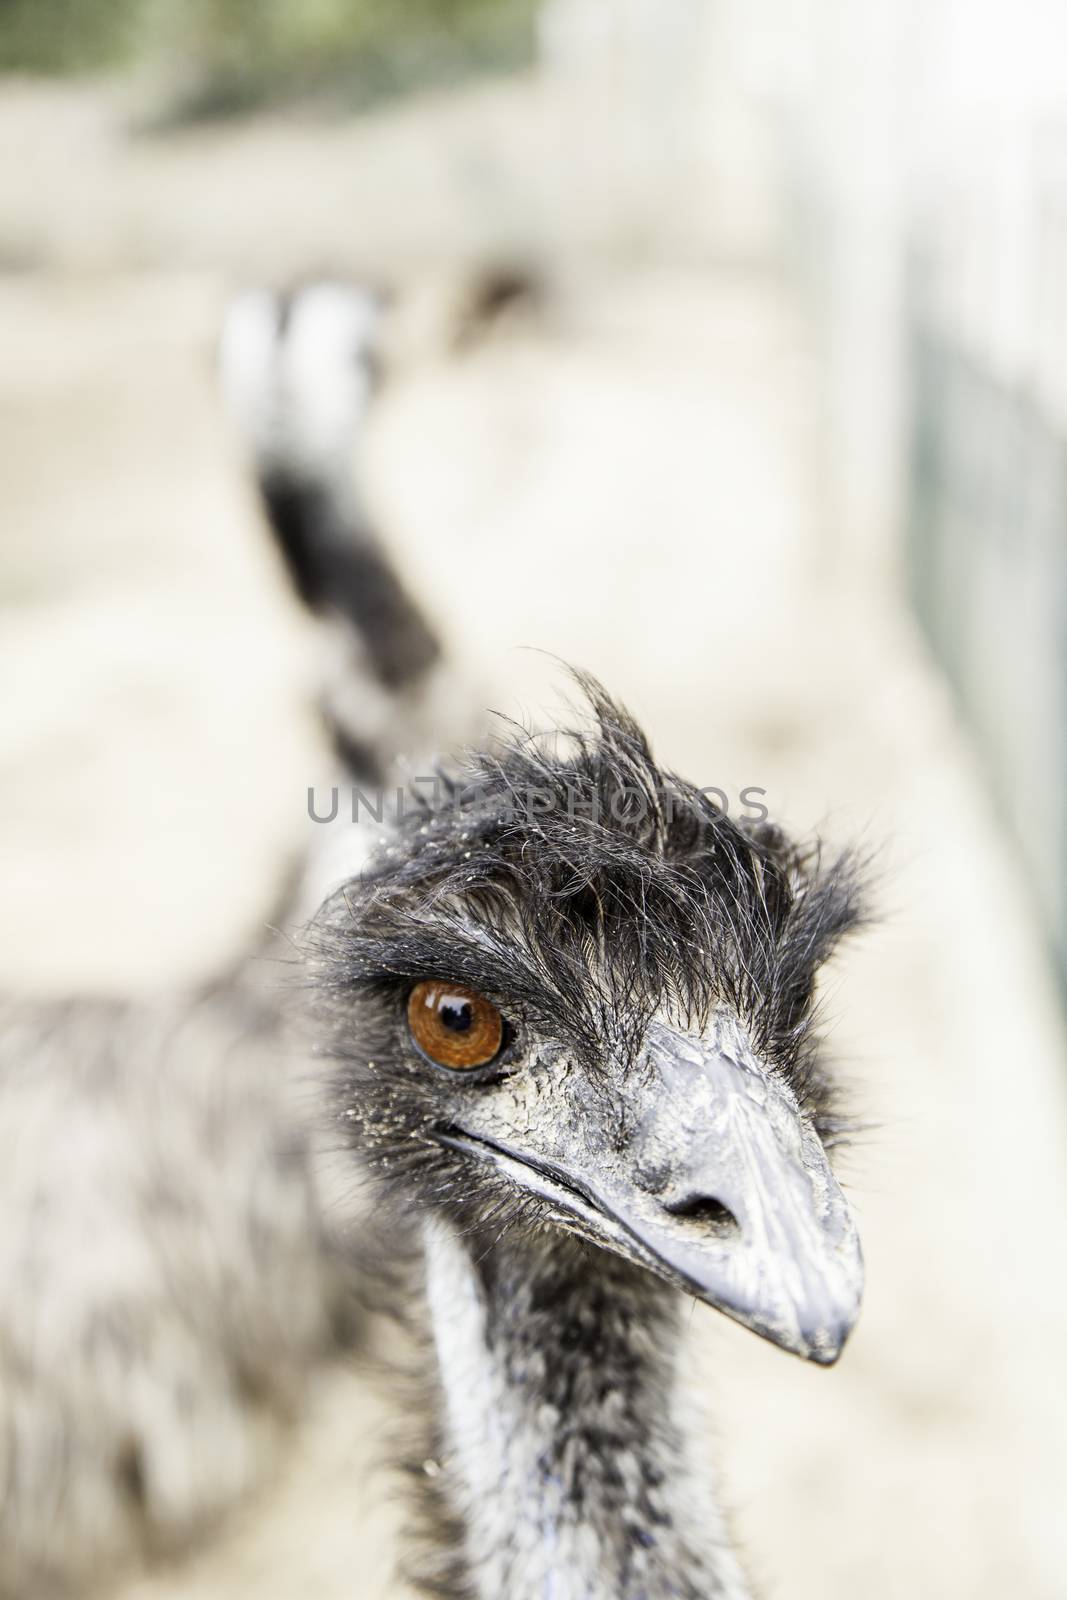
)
(708, 1211)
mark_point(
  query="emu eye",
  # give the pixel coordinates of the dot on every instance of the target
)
(453, 1025)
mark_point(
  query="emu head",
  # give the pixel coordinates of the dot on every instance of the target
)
(578, 996)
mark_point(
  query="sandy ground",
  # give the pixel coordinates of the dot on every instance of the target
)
(629, 483)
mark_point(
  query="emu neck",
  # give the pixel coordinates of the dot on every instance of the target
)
(566, 1454)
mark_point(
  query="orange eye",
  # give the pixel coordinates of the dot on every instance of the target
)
(454, 1026)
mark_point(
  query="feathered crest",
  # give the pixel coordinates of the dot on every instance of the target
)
(575, 876)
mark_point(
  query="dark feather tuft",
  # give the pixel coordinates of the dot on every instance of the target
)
(571, 876)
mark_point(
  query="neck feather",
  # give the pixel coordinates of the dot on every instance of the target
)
(568, 1461)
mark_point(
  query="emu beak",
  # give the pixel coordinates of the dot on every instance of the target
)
(699, 1166)
(732, 1194)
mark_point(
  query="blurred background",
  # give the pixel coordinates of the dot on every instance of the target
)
(779, 450)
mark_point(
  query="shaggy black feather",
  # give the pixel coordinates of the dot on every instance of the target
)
(589, 889)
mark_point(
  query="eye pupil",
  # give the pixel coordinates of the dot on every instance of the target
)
(456, 1016)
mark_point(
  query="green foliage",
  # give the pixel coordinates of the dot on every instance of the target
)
(55, 36)
(231, 54)
(241, 52)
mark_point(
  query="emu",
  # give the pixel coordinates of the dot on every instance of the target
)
(575, 1058)
(564, 1026)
